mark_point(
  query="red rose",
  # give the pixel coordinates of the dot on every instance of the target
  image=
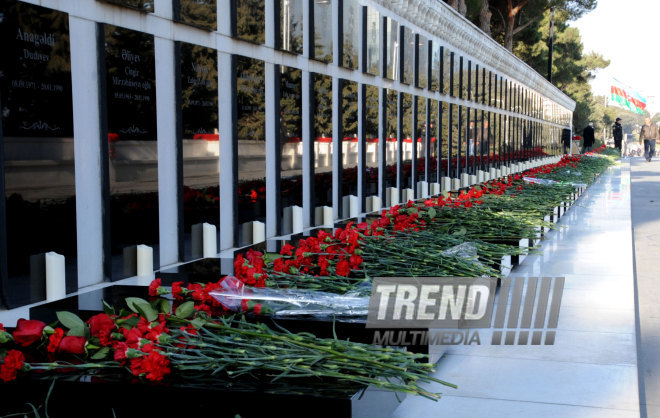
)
(12, 363)
(28, 331)
(72, 345)
(101, 324)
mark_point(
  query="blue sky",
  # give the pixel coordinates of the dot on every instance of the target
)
(626, 33)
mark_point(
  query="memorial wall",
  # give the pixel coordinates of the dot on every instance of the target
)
(197, 125)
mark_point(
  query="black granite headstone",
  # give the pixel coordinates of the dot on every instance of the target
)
(142, 5)
(133, 155)
(251, 140)
(322, 15)
(199, 13)
(250, 20)
(373, 141)
(351, 26)
(373, 41)
(38, 157)
(349, 137)
(291, 26)
(322, 135)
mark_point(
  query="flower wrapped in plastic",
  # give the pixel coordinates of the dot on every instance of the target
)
(237, 297)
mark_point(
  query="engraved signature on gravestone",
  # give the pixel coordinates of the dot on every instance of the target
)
(132, 130)
(41, 126)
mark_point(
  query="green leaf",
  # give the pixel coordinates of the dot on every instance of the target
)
(165, 306)
(445, 193)
(270, 257)
(198, 323)
(460, 231)
(101, 354)
(131, 302)
(70, 320)
(432, 213)
(109, 310)
(78, 332)
(147, 311)
(185, 310)
(123, 313)
(5, 337)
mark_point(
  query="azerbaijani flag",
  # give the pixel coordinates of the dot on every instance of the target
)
(627, 97)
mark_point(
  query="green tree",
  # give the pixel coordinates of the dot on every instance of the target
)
(571, 68)
(508, 20)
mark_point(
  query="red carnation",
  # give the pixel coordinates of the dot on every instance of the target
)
(287, 249)
(72, 345)
(153, 287)
(12, 363)
(343, 268)
(355, 261)
(155, 365)
(28, 331)
(176, 290)
(54, 340)
(120, 351)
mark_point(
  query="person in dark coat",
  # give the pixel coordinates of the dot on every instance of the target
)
(588, 138)
(566, 139)
(484, 136)
(617, 133)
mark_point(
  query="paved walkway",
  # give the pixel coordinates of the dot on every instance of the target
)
(591, 370)
(645, 200)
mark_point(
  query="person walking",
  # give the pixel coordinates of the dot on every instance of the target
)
(588, 138)
(617, 133)
(648, 134)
